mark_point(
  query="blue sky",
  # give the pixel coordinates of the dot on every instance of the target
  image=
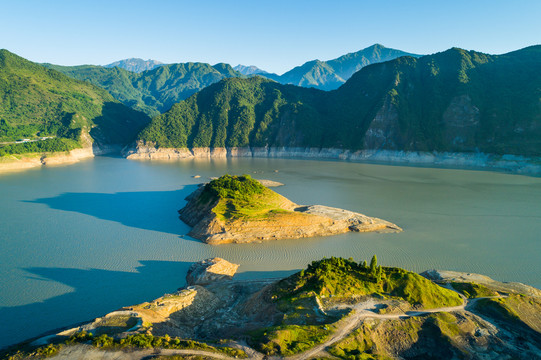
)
(274, 35)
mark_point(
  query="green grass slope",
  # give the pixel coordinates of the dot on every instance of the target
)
(240, 197)
(457, 100)
(152, 91)
(40, 102)
(301, 325)
(342, 278)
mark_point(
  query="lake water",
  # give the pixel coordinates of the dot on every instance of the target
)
(82, 240)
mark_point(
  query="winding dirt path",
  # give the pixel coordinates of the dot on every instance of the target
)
(359, 313)
(346, 326)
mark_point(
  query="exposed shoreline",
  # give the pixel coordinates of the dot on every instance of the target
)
(477, 161)
(514, 164)
(30, 161)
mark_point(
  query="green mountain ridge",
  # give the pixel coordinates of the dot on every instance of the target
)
(152, 91)
(331, 74)
(40, 102)
(456, 100)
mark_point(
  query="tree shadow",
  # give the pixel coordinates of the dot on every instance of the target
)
(118, 124)
(96, 292)
(148, 210)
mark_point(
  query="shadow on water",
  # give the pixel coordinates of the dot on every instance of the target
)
(95, 293)
(148, 210)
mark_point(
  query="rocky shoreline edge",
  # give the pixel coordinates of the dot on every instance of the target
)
(508, 163)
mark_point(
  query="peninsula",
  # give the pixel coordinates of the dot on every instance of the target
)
(335, 308)
(239, 209)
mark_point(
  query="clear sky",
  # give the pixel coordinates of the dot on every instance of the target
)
(274, 35)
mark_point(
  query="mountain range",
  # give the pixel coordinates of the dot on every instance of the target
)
(331, 74)
(151, 91)
(155, 91)
(456, 100)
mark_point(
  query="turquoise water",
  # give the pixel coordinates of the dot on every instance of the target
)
(82, 240)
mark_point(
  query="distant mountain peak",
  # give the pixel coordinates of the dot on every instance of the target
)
(249, 70)
(331, 74)
(135, 64)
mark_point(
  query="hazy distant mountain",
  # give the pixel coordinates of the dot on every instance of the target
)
(329, 75)
(36, 102)
(456, 100)
(135, 64)
(316, 73)
(152, 91)
(249, 70)
(345, 66)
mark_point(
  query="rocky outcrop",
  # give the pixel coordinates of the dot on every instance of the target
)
(511, 163)
(446, 276)
(210, 270)
(372, 324)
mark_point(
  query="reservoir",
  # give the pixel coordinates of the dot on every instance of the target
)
(82, 240)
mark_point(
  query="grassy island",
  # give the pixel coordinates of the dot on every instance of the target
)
(239, 209)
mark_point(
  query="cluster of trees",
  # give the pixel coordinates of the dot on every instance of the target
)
(234, 187)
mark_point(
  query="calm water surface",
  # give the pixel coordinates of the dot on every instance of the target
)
(82, 240)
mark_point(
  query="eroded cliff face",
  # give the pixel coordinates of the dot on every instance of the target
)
(461, 122)
(384, 129)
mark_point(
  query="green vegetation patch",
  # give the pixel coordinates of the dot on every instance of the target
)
(447, 323)
(498, 308)
(44, 146)
(417, 334)
(38, 103)
(358, 345)
(472, 290)
(287, 340)
(340, 277)
(516, 311)
(241, 197)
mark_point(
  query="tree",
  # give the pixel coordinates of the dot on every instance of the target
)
(373, 265)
